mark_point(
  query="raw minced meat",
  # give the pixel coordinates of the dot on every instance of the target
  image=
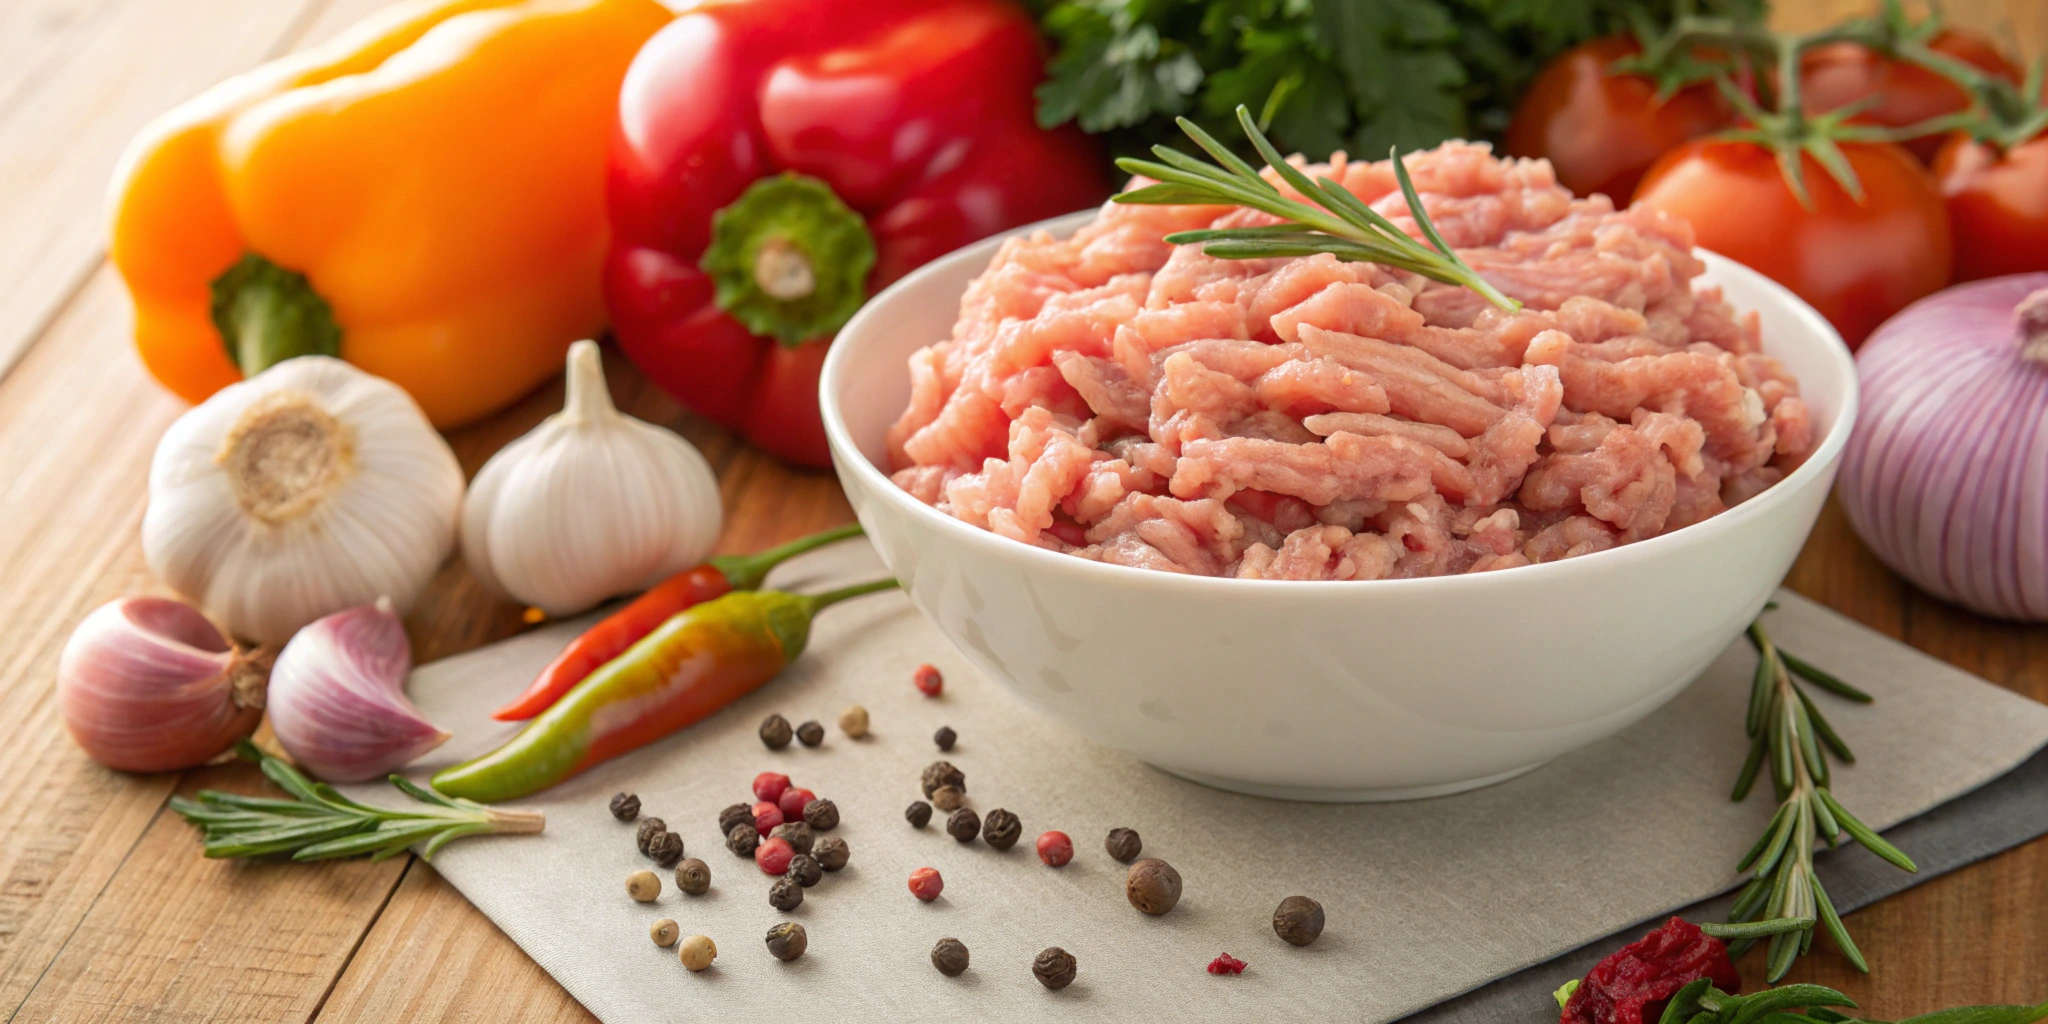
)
(1115, 397)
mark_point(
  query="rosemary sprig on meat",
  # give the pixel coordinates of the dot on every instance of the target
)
(1784, 898)
(321, 824)
(1334, 221)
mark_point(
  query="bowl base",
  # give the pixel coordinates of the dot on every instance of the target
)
(1313, 794)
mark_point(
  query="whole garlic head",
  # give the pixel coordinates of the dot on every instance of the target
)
(590, 504)
(306, 489)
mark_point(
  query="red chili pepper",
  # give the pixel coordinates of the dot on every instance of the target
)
(624, 628)
(1638, 978)
(777, 161)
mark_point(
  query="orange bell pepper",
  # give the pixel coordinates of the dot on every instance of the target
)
(423, 196)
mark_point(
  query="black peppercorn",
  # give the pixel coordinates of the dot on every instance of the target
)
(945, 737)
(693, 877)
(831, 853)
(963, 824)
(737, 814)
(805, 869)
(1152, 886)
(810, 733)
(666, 849)
(775, 732)
(942, 773)
(1001, 829)
(1299, 920)
(1123, 845)
(649, 828)
(625, 806)
(785, 894)
(741, 839)
(796, 833)
(787, 941)
(950, 957)
(1054, 968)
(821, 814)
(919, 814)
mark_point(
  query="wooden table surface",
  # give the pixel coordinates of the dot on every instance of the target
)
(107, 913)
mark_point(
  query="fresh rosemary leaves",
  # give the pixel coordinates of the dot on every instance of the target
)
(321, 824)
(1701, 1003)
(1784, 898)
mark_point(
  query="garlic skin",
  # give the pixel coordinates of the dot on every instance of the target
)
(590, 504)
(337, 697)
(308, 488)
(147, 684)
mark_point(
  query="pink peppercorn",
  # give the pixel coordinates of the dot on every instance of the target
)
(1226, 964)
(925, 884)
(929, 681)
(773, 856)
(766, 817)
(1055, 848)
(769, 786)
(793, 801)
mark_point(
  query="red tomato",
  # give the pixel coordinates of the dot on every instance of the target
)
(1857, 263)
(1601, 131)
(1997, 205)
(1839, 74)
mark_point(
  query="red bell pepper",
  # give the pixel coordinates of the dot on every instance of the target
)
(777, 161)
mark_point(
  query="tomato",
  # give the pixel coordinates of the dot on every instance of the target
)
(1601, 131)
(1857, 263)
(1997, 205)
(1839, 74)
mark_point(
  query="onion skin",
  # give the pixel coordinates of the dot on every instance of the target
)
(337, 697)
(1946, 474)
(149, 684)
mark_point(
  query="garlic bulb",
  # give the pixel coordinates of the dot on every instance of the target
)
(588, 505)
(308, 488)
(337, 697)
(147, 684)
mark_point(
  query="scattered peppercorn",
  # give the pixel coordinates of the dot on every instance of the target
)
(928, 680)
(821, 814)
(792, 802)
(925, 884)
(1055, 849)
(806, 870)
(787, 941)
(1054, 968)
(666, 849)
(742, 840)
(644, 886)
(919, 814)
(854, 721)
(963, 824)
(649, 828)
(1226, 964)
(625, 806)
(1152, 886)
(831, 853)
(775, 732)
(766, 817)
(693, 877)
(1123, 845)
(797, 834)
(785, 895)
(948, 798)
(950, 957)
(663, 932)
(945, 737)
(773, 855)
(1001, 829)
(737, 814)
(698, 951)
(942, 773)
(769, 787)
(1298, 920)
(810, 733)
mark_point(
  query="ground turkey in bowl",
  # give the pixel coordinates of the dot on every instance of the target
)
(1118, 398)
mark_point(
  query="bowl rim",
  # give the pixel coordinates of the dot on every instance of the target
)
(846, 453)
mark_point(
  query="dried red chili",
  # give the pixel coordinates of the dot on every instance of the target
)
(1226, 964)
(1632, 985)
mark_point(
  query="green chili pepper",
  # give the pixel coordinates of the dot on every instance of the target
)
(697, 662)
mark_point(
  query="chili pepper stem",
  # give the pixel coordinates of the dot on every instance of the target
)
(819, 602)
(745, 572)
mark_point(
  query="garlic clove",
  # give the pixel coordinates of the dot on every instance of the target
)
(337, 697)
(147, 684)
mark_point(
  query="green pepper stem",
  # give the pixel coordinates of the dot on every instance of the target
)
(745, 572)
(832, 597)
(267, 314)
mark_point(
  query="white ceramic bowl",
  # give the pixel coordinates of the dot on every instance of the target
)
(1321, 690)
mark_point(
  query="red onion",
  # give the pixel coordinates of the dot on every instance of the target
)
(148, 684)
(337, 697)
(1946, 474)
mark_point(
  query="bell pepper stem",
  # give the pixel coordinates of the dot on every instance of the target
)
(788, 259)
(745, 572)
(832, 597)
(267, 314)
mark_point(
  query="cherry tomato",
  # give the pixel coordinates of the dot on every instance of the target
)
(1601, 131)
(1839, 74)
(1997, 205)
(1857, 263)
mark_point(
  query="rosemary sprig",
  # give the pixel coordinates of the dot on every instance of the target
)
(1699, 1002)
(1335, 221)
(1784, 898)
(321, 824)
